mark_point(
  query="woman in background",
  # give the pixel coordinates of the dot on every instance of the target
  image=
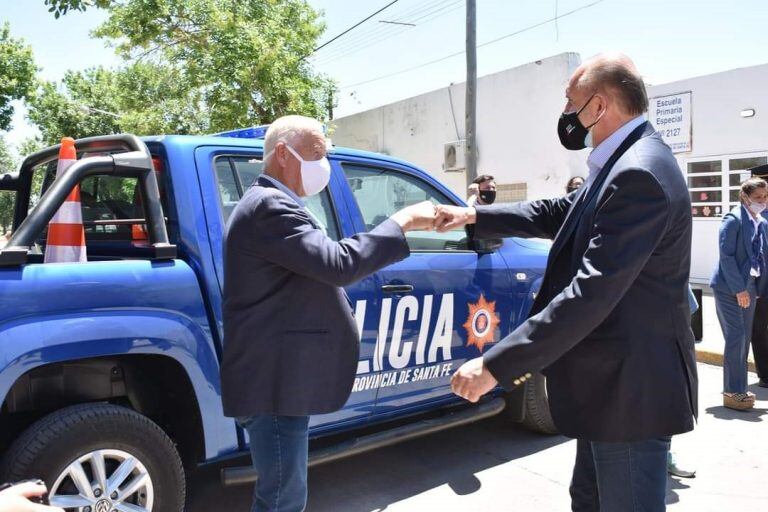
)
(574, 183)
(739, 278)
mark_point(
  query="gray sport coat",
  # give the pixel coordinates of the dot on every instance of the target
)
(290, 341)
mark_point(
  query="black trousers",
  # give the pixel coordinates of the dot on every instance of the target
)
(760, 337)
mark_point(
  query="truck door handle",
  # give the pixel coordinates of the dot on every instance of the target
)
(397, 288)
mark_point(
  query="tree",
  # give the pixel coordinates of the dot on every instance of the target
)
(60, 7)
(29, 146)
(195, 66)
(143, 98)
(7, 164)
(17, 73)
(246, 58)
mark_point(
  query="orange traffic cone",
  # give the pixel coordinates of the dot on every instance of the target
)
(66, 235)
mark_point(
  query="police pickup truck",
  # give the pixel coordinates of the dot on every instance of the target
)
(109, 369)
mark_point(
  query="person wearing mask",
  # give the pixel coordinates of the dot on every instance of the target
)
(482, 190)
(739, 278)
(610, 326)
(291, 343)
(574, 184)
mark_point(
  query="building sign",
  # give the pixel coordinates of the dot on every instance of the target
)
(671, 116)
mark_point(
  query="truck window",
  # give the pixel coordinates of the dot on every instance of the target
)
(235, 174)
(381, 192)
(109, 198)
(109, 204)
(102, 198)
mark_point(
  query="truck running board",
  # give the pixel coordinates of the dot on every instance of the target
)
(247, 474)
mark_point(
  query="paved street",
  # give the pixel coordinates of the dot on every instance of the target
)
(494, 466)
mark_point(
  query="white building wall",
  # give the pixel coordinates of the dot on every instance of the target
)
(719, 132)
(517, 112)
(517, 140)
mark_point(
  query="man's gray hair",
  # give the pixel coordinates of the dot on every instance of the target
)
(616, 74)
(289, 129)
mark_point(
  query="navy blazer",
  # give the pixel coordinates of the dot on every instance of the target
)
(610, 326)
(291, 343)
(732, 271)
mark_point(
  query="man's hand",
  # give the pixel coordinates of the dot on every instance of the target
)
(472, 380)
(15, 499)
(419, 216)
(452, 217)
(743, 299)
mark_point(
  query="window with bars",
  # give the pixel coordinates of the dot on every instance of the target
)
(714, 184)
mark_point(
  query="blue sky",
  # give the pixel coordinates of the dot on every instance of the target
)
(668, 39)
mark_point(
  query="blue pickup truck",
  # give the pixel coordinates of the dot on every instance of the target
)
(109, 370)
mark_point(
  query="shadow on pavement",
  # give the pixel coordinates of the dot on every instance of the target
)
(453, 458)
(675, 484)
(374, 480)
(723, 413)
(760, 393)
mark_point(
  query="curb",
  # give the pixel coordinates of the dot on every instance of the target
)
(716, 358)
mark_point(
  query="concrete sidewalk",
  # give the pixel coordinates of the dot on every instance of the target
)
(710, 349)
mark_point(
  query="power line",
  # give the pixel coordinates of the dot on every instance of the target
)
(355, 25)
(422, 19)
(506, 36)
(360, 38)
(398, 23)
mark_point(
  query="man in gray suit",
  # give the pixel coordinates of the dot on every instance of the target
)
(610, 326)
(291, 343)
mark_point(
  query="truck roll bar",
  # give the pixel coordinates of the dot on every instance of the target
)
(134, 161)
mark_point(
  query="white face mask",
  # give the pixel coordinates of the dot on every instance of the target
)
(757, 208)
(315, 174)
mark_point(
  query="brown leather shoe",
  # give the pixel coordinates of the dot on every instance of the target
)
(738, 401)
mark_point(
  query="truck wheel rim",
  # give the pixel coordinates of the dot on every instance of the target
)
(104, 481)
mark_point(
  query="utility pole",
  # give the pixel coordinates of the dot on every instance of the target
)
(471, 98)
(329, 102)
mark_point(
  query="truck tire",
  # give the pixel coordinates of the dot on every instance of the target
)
(97, 456)
(537, 416)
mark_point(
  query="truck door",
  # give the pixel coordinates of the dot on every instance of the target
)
(442, 305)
(235, 172)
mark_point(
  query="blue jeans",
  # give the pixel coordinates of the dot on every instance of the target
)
(279, 446)
(620, 477)
(736, 323)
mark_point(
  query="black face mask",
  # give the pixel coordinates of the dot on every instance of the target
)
(572, 133)
(487, 196)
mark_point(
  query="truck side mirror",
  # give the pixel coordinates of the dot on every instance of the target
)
(482, 245)
(486, 246)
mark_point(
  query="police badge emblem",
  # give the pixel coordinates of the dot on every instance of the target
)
(481, 323)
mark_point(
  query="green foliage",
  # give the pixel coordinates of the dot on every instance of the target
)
(246, 59)
(29, 146)
(61, 7)
(194, 66)
(17, 73)
(143, 98)
(7, 164)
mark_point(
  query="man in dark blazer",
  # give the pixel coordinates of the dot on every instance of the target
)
(610, 326)
(290, 340)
